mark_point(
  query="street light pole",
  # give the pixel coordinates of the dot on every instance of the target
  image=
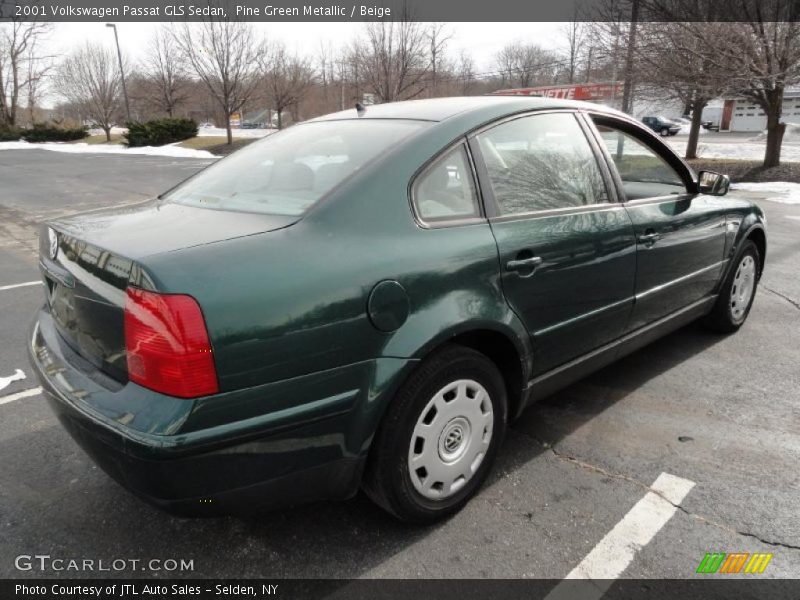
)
(121, 71)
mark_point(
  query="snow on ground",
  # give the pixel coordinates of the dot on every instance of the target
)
(237, 133)
(736, 150)
(114, 131)
(791, 134)
(686, 127)
(81, 148)
(777, 191)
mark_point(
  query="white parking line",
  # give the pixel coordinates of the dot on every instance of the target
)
(609, 558)
(19, 285)
(20, 395)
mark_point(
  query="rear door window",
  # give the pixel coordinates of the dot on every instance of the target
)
(541, 162)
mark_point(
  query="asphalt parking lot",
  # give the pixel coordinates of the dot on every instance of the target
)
(722, 413)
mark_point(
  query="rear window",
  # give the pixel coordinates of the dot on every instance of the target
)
(289, 171)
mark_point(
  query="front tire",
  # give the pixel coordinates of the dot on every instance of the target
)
(737, 293)
(664, 132)
(439, 438)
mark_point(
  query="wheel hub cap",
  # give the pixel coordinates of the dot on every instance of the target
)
(743, 287)
(450, 439)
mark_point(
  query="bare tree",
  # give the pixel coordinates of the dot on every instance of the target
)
(575, 33)
(525, 65)
(225, 56)
(19, 63)
(287, 78)
(465, 73)
(165, 76)
(437, 37)
(673, 65)
(760, 50)
(392, 59)
(90, 78)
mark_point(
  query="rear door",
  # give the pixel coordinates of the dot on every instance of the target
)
(566, 247)
(680, 235)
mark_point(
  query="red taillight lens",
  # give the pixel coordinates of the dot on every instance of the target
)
(167, 344)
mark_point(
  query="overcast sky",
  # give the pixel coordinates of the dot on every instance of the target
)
(482, 40)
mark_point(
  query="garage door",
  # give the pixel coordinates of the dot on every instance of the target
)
(747, 116)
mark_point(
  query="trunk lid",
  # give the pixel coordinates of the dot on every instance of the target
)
(88, 260)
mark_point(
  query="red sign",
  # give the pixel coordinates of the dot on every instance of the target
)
(584, 91)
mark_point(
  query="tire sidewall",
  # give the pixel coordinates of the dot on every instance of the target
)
(749, 249)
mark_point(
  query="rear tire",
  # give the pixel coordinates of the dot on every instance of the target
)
(737, 293)
(439, 438)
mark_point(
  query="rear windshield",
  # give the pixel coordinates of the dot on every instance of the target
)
(287, 172)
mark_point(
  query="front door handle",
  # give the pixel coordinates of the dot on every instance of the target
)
(524, 264)
(649, 238)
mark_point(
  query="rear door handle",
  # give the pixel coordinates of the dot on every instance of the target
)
(524, 264)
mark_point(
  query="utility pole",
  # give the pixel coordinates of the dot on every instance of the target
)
(627, 90)
(121, 71)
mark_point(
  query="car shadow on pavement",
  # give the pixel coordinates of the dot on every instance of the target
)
(56, 489)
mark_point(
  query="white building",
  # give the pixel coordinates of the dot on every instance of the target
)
(742, 114)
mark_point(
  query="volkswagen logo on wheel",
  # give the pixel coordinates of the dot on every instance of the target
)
(52, 238)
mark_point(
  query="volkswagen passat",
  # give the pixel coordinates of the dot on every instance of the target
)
(368, 298)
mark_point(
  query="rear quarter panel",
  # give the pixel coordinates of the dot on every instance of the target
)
(294, 301)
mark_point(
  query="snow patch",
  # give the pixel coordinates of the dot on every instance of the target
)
(737, 150)
(686, 127)
(791, 134)
(784, 192)
(171, 150)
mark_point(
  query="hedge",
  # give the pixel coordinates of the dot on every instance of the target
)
(160, 132)
(9, 135)
(42, 132)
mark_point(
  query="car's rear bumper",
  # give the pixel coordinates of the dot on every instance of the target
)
(167, 451)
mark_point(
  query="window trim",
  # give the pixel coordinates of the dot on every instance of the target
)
(484, 181)
(420, 221)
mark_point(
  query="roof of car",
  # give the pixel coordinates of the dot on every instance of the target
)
(439, 109)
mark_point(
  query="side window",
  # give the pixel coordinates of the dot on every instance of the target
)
(643, 172)
(541, 162)
(446, 191)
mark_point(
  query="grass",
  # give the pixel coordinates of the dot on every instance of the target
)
(203, 143)
(116, 138)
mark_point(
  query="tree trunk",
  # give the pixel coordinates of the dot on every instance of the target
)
(228, 130)
(775, 130)
(280, 118)
(694, 131)
(107, 129)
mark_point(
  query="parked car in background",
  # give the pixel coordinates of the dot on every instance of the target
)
(368, 298)
(662, 125)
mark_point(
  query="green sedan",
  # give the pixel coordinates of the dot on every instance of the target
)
(367, 299)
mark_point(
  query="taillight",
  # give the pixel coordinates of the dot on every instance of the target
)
(167, 344)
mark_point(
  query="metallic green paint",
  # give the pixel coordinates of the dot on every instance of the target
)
(305, 375)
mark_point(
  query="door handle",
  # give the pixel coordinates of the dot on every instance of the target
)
(649, 238)
(524, 264)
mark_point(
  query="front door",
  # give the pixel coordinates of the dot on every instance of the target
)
(680, 235)
(566, 247)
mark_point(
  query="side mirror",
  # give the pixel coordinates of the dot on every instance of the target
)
(715, 184)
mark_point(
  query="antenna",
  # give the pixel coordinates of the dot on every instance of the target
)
(360, 109)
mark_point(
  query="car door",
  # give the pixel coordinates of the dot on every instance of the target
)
(680, 235)
(566, 247)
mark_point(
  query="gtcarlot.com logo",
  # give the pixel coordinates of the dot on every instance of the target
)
(46, 562)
